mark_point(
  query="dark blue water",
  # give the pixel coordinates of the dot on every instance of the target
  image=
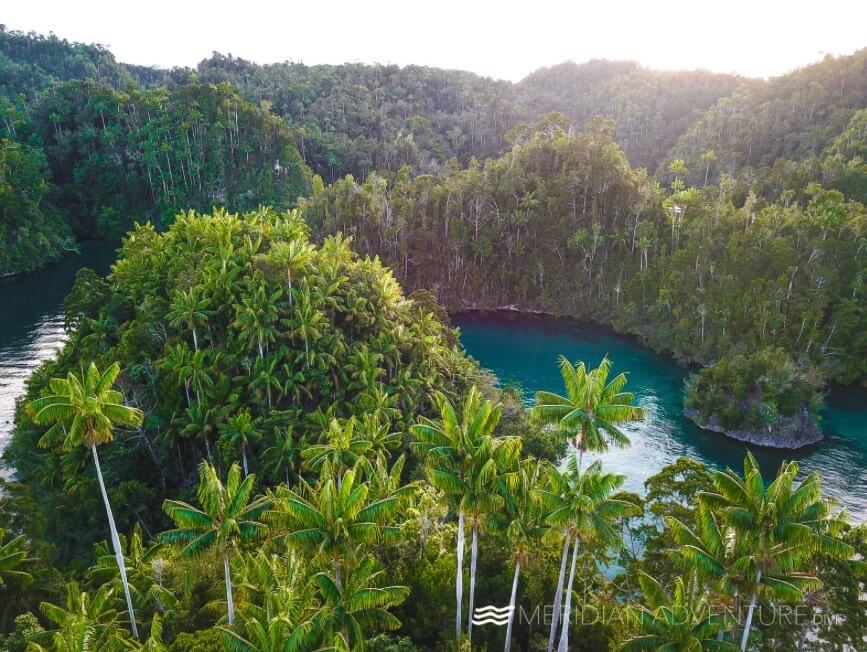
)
(524, 349)
(31, 321)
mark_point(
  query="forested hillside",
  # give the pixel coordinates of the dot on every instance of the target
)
(563, 224)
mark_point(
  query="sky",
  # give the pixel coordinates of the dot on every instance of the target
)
(506, 40)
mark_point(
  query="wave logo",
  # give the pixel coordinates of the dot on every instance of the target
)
(491, 615)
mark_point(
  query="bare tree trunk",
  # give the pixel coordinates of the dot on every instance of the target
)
(558, 597)
(564, 634)
(244, 459)
(746, 636)
(459, 581)
(474, 555)
(115, 542)
(512, 607)
(230, 604)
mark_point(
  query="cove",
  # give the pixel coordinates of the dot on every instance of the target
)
(523, 350)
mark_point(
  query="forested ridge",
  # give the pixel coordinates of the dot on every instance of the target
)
(263, 433)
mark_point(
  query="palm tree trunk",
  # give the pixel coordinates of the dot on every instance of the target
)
(208, 448)
(746, 635)
(244, 458)
(474, 555)
(195, 340)
(558, 597)
(230, 604)
(512, 607)
(459, 581)
(564, 634)
(115, 542)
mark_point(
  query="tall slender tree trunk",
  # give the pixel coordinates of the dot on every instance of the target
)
(746, 635)
(195, 339)
(208, 448)
(115, 542)
(474, 555)
(512, 607)
(564, 634)
(230, 604)
(558, 597)
(244, 458)
(459, 580)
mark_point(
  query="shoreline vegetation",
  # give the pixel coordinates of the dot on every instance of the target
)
(263, 434)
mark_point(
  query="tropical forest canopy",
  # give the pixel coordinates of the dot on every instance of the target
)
(265, 403)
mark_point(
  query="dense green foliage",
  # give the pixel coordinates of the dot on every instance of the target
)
(30, 63)
(562, 224)
(143, 155)
(295, 452)
(791, 117)
(31, 231)
(224, 316)
(753, 390)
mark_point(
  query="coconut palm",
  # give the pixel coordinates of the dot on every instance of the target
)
(333, 518)
(463, 460)
(284, 455)
(240, 431)
(84, 623)
(189, 309)
(294, 256)
(343, 448)
(592, 409)
(682, 622)
(275, 606)
(356, 604)
(145, 567)
(228, 518)
(581, 503)
(785, 525)
(265, 375)
(255, 318)
(523, 525)
(13, 560)
(83, 411)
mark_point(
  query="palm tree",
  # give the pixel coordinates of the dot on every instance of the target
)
(188, 309)
(228, 518)
(241, 431)
(714, 552)
(523, 525)
(784, 524)
(356, 604)
(83, 411)
(13, 559)
(581, 503)
(255, 318)
(265, 375)
(683, 622)
(84, 623)
(333, 518)
(145, 566)
(342, 449)
(284, 455)
(293, 255)
(463, 461)
(592, 409)
(275, 606)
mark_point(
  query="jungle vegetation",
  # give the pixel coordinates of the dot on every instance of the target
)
(262, 433)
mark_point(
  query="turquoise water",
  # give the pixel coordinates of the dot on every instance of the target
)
(517, 348)
(524, 349)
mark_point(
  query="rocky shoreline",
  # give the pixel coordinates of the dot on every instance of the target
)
(790, 433)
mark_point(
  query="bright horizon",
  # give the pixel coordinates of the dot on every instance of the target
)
(502, 40)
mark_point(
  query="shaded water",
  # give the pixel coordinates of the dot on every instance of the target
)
(524, 349)
(31, 322)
